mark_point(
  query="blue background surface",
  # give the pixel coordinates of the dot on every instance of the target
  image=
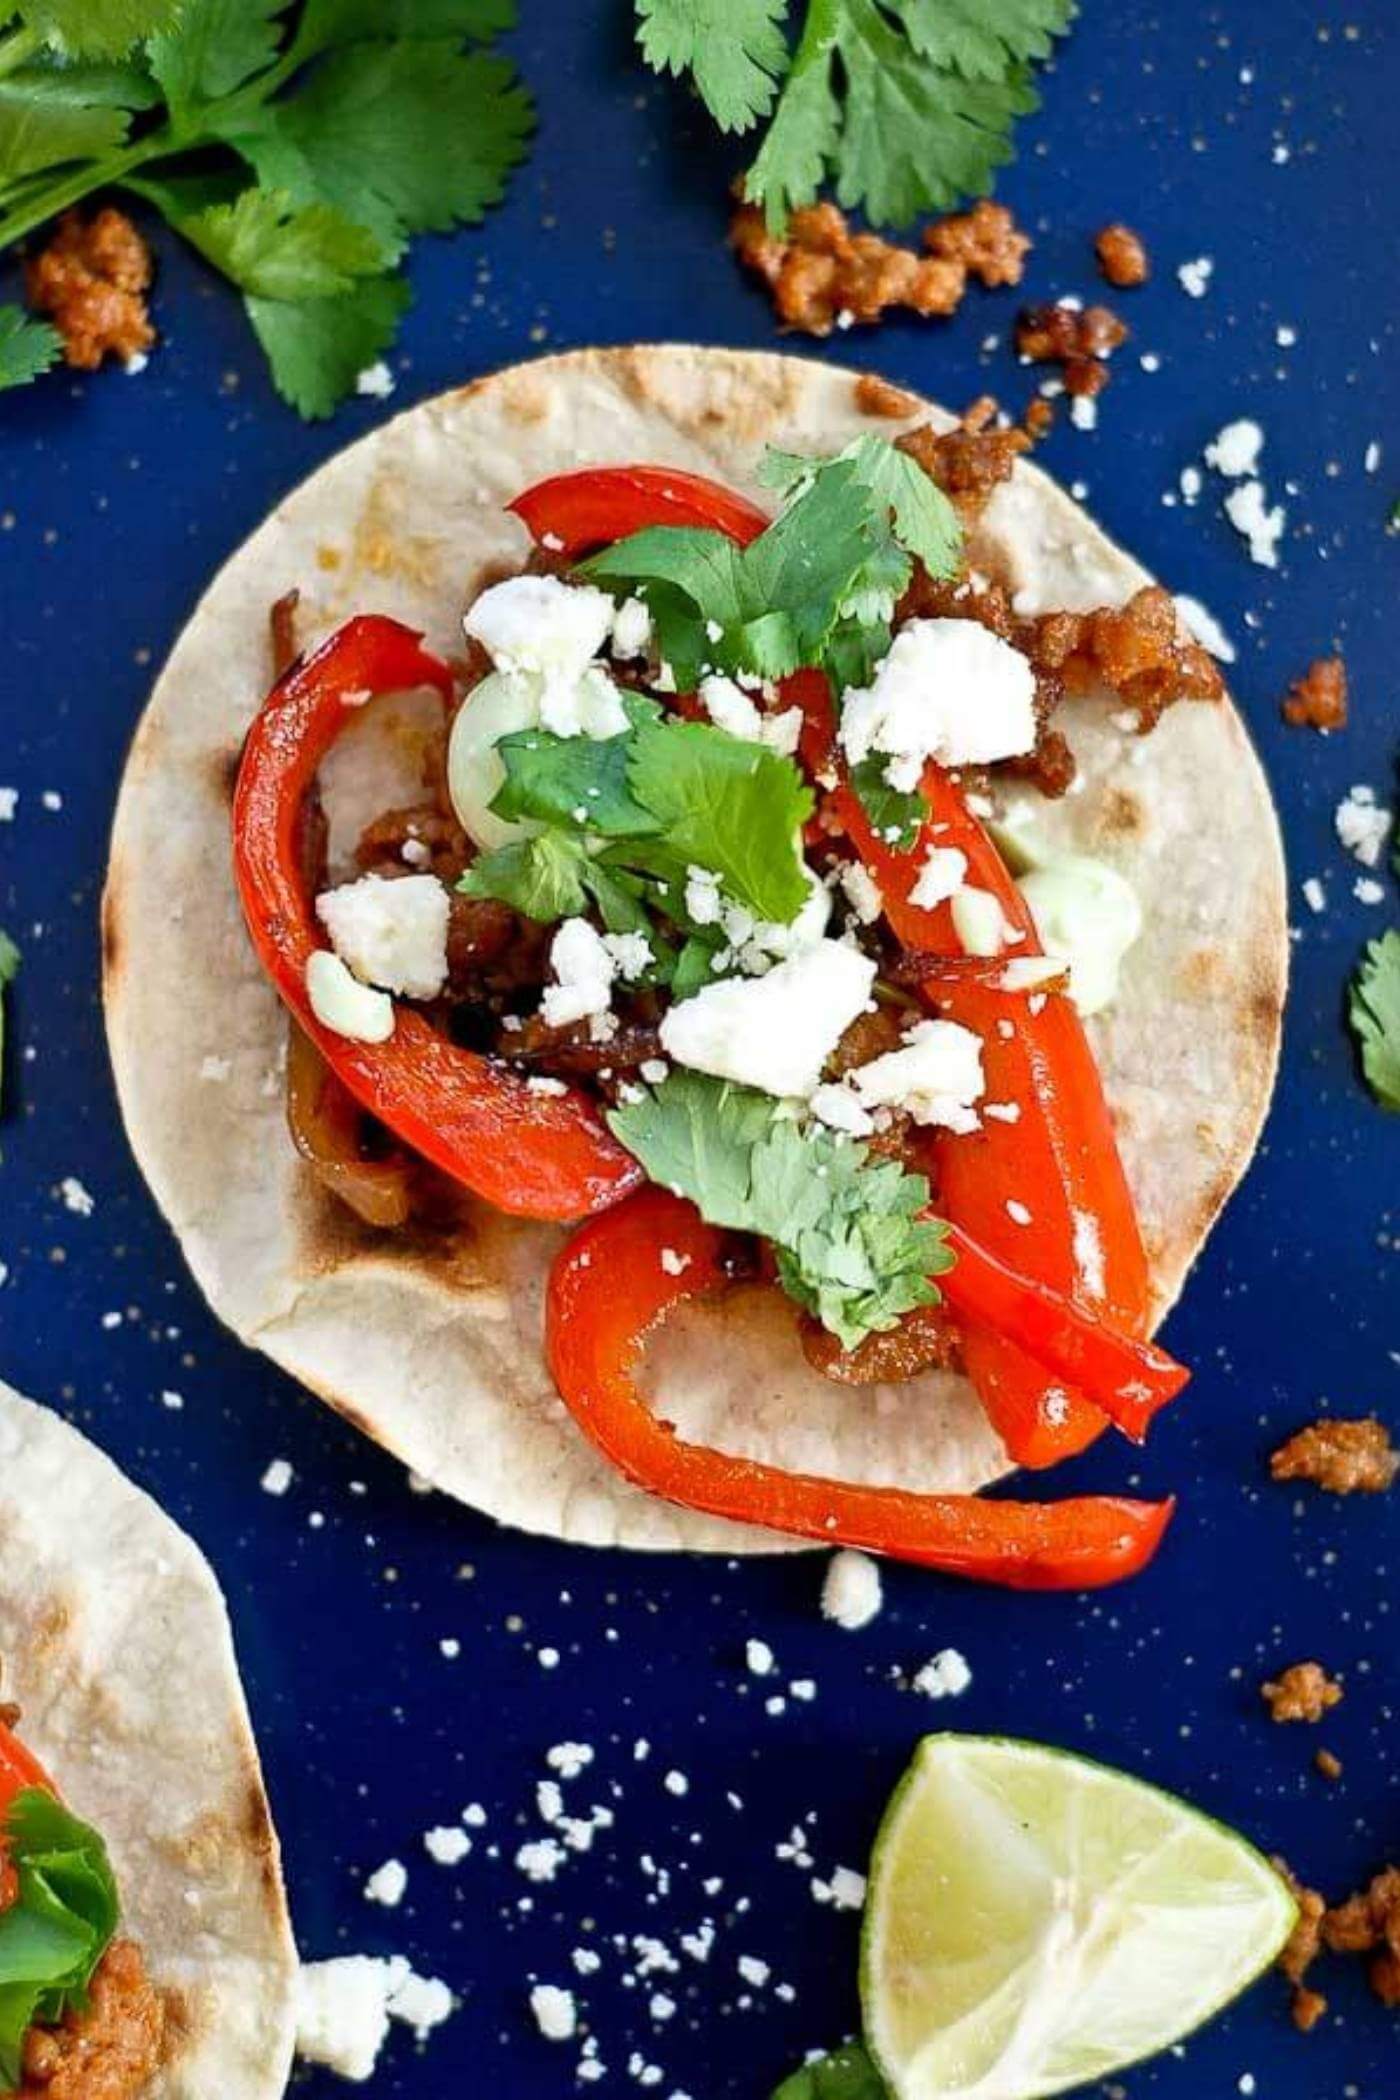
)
(119, 497)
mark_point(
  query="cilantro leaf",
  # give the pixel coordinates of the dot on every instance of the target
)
(734, 807)
(277, 250)
(905, 105)
(412, 137)
(576, 781)
(847, 2074)
(212, 48)
(39, 130)
(736, 50)
(316, 347)
(98, 28)
(327, 22)
(9, 964)
(55, 1932)
(27, 348)
(542, 878)
(852, 1245)
(1374, 1012)
(895, 814)
(816, 587)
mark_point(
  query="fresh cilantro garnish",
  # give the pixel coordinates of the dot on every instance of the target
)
(363, 123)
(825, 574)
(852, 1245)
(57, 1929)
(905, 105)
(625, 817)
(9, 964)
(847, 2074)
(27, 347)
(1375, 1017)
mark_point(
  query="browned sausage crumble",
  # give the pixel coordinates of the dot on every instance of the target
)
(1122, 256)
(108, 2051)
(1345, 1458)
(91, 280)
(1319, 698)
(1367, 1923)
(1328, 1764)
(1079, 339)
(1302, 1692)
(823, 275)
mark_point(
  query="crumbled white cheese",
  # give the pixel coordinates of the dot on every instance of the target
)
(631, 630)
(421, 2002)
(555, 2013)
(936, 1076)
(773, 1032)
(1362, 825)
(386, 1884)
(277, 1477)
(541, 624)
(1194, 276)
(759, 1658)
(941, 876)
(845, 1890)
(589, 705)
(342, 2014)
(9, 803)
(1203, 627)
(978, 921)
(341, 1003)
(392, 932)
(1235, 449)
(376, 381)
(949, 690)
(1084, 412)
(851, 1591)
(838, 1107)
(1367, 890)
(1314, 895)
(862, 892)
(584, 970)
(730, 708)
(1263, 528)
(631, 952)
(447, 1844)
(947, 1676)
(673, 1263)
(76, 1197)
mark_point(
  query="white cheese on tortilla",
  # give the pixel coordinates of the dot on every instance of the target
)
(950, 690)
(391, 932)
(773, 1032)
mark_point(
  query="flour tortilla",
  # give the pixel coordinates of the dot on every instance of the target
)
(432, 1343)
(115, 1644)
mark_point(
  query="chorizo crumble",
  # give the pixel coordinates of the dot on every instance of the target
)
(1328, 1764)
(91, 281)
(1122, 256)
(1367, 1923)
(1080, 339)
(822, 275)
(1302, 1692)
(1318, 700)
(110, 2050)
(1345, 1458)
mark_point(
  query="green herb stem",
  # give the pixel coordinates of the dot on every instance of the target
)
(57, 196)
(17, 47)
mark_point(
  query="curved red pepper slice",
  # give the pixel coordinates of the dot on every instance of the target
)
(19, 1768)
(1057, 1161)
(608, 1288)
(572, 514)
(537, 1155)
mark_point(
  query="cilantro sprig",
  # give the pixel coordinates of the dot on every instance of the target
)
(361, 122)
(59, 1926)
(906, 106)
(816, 588)
(852, 1244)
(1374, 1012)
(625, 818)
(847, 2074)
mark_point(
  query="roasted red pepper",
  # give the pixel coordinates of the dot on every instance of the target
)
(608, 1289)
(19, 1768)
(572, 514)
(540, 1156)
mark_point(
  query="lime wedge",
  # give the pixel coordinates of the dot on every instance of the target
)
(1036, 1921)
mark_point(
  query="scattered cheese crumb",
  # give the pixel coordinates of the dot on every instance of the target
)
(277, 1478)
(555, 2013)
(1194, 276)
(376, 381)
(75, 1197)
(1362, 825)
(447, 1844)
(946, 1676)
(386, 1884)
(759, 1658)
(1234, 450)
(851, 1592)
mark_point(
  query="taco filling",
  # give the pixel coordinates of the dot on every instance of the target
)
(79, 2018)
(700, 935)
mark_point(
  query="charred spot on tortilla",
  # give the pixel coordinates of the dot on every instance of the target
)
(1122, 815)
(110, 921)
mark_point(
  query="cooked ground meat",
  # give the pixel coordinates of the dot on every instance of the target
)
(492, 952)
(91, 280)
(1345, 1458)
(820, 273)
(1059, 333)
(971, 461)
(1140, 651)
(986, 240)
(423, 839)
(924, 1340)
(1319, 697)
(1302, 1692)
(108, 2052)
(1328, 1764)
(1365, 1924)
(570, 1053)
(1122, 256)
(877, 397)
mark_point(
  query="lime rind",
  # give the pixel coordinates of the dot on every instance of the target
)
(1037, 1920)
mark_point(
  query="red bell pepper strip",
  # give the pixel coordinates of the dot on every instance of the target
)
(1058, 1161)
(539, 1156)
(19, 1768)
(608, 1288)
(572, 514)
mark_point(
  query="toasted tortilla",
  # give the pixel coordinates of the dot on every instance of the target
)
(431, 1343)
(115, 1644)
